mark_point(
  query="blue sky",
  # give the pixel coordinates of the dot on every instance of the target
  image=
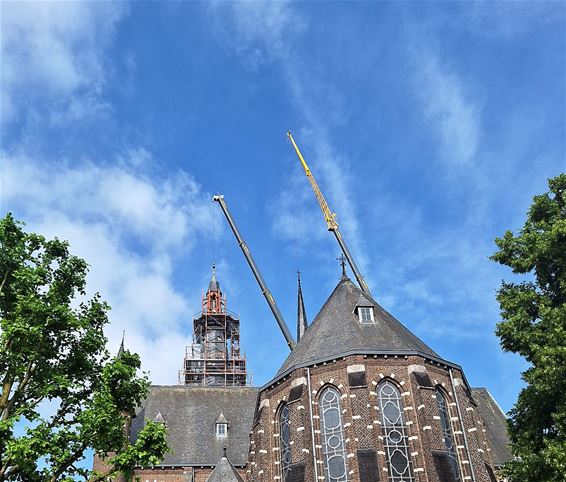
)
(429, 127)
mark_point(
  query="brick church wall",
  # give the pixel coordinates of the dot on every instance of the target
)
(362, 421)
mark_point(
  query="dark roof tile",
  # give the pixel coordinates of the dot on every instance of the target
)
(336, 331)
(190, 414)
(495, 426)
(224, 472)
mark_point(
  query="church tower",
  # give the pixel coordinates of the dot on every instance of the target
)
(214, 357)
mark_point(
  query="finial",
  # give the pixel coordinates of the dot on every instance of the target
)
(299, 277)
(224, 453)
(213, 271)
(342, 260)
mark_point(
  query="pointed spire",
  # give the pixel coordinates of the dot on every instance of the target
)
(121, 350)
(213, 285)
(301, 313)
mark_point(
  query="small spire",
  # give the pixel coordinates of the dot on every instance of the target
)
(342, 260)
(224, 455)
(213, 285)
(302, 323)
(121, 350)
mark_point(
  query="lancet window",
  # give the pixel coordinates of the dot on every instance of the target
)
(447, 435)
(285, 443)
(394, 436)
(332, 432)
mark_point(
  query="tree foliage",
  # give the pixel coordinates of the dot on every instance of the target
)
(61, 393)
(534, 326)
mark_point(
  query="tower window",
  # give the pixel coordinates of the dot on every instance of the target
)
(221, 429)
(365, 314)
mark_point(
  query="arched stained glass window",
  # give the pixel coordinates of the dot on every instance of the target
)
(285, 443)
(447, 435)
(332, 431)
(394, 437)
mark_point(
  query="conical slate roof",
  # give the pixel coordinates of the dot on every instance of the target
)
(214, 285)
(336, 331)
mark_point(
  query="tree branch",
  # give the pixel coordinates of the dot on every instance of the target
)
(21, 387)
(4, 280)
(68, 462)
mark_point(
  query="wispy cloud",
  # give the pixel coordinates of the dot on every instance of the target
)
(53, 52)
(269, 32)
(104, 211)
(260, 32)
(448, 108)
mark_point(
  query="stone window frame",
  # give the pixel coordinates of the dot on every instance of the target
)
(403, 445)
(284, 446)
(339, 431)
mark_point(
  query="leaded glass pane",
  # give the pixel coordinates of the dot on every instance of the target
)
(447, 435)
(333, 449)
(395, 439)
(285, 443)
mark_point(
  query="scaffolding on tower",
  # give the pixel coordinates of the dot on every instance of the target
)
(214, 358)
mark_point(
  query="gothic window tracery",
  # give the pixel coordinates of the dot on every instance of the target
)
(447, 434)
(332, 432)
(285, 443)
(395, 438)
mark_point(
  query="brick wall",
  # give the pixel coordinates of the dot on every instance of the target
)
(362, 419)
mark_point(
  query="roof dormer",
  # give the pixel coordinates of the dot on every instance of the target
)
(221, 426)
(364, 310)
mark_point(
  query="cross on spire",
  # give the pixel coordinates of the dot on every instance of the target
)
(342, 260)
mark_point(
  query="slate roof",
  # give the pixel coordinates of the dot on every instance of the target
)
(224, 472)
(214, 285)
(495, 425)
(190, 414)
(336, 331)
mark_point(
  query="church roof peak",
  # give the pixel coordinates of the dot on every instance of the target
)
(224, 471)
(337, 331)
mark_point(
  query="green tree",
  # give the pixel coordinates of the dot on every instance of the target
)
(53, 360)
(534, 326)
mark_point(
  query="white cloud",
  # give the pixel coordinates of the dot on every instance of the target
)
(296, 216)
(448, 108)
(132, 230)
(159, 214)
(261, 32)
(54, 51)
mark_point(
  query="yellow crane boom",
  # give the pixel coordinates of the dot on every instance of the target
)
(330, 219)
(329, 216)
